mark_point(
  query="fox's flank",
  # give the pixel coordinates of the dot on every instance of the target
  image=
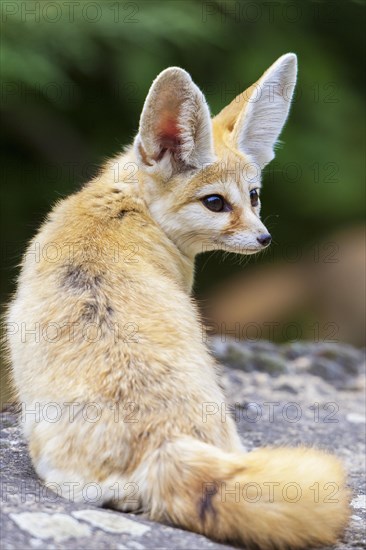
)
(129, 340)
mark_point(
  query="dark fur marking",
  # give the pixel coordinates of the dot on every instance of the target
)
(98, 313)
(90, 312)
(122, 213)
(94, 308)
(78, 279)
(205, 505)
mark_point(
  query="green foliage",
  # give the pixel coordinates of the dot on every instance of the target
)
(73, 85)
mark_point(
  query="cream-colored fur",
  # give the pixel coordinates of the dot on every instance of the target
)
(106, 346)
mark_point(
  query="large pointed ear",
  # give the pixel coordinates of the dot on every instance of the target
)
(253, 121)
(175, 125)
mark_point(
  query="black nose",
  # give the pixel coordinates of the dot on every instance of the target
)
(264, 239)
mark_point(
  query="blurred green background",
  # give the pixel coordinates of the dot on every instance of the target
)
(74, 78)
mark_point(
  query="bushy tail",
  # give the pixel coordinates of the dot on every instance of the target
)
(280, 497)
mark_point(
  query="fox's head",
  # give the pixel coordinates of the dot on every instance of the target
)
(202, 176)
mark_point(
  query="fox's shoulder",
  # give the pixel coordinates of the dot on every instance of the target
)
(104, 227)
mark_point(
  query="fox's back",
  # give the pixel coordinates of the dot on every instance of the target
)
(100, 289)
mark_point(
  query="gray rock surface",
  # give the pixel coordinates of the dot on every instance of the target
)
(280, 395)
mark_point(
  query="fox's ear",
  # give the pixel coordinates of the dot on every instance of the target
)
(175, 125)
(253, 121)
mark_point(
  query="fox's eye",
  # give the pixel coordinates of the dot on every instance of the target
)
(216, 203)
(254, 197)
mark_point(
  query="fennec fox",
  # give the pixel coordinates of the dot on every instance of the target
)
(106, 344)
